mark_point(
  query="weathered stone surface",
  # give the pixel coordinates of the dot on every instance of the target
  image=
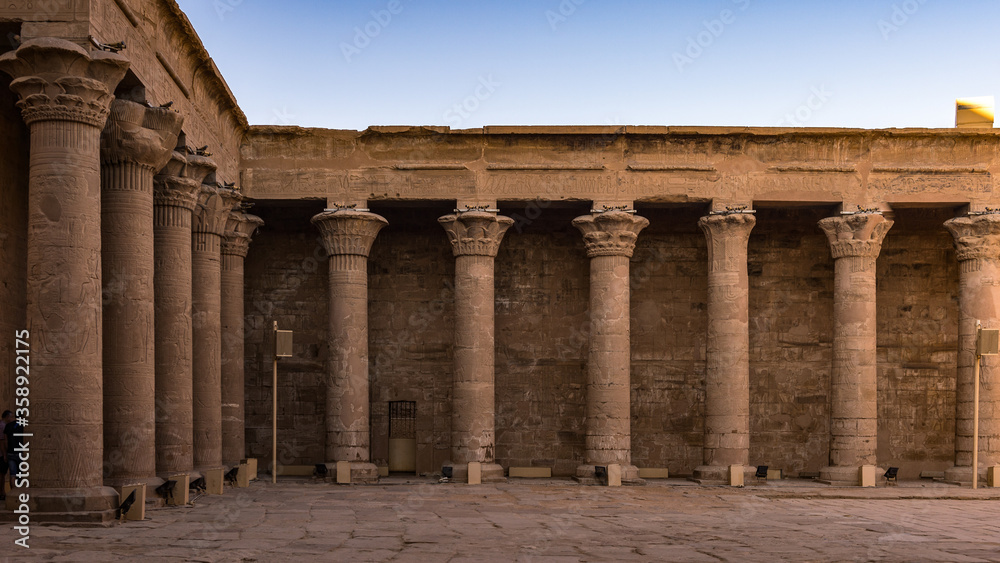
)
(475, 237)
(609, 238)
(727, 377)
(347, 236)
(209, 223)
(136, 142)
(235, 246)
(855, 242)
(64, 96)
(175, 196)
(977, 244)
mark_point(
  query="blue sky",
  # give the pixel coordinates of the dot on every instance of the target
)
(849, 63)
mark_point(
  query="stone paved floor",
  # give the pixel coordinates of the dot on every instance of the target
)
(545, 521)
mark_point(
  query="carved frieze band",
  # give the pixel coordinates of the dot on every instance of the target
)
(475, 233)
(612, 233)
(855, 235)
(348, 231)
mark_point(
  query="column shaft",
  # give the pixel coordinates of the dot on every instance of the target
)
(977, 240)
(609, 238)
(206, 273)
(129, 370)
(233, 434)
(174, 341)
(609, 434)
(473, 426)
(347, 237)
(855, 242)
(136, 141)
(727, 374)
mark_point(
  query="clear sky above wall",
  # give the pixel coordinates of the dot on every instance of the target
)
(852, 63)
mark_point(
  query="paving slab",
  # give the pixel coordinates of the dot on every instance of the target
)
(544, 520)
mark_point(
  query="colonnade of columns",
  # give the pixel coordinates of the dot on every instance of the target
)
(124, 387)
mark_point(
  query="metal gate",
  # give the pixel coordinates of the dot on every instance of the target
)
(403, 436)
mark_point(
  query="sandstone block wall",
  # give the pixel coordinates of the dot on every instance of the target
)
(917, 343)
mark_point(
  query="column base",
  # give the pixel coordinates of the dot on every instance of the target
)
(492, 473)
(846, 476)
(67, 507)
(586, 475)
(962, 475)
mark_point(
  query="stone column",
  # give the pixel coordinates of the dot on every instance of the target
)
(348, 236)
(235, 244)
(137, 141)
(475, 238)
(214, 205)
(855, 242)
(610, 240)
(65, 93)
(977, 242)
(727, 374)
(175, 194)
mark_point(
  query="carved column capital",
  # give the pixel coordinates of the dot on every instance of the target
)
(175, 186)
(57, 80)
(727, 237)
(239, 229)
(139, 134)
(855, 235)
(612, 233)
(212, 210)
(475, 233)
(975, 237)
(347, 231)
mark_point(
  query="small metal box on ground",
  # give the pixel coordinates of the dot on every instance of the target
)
(735, 475)
(137, 511)
(614, 475)
(993, 476)
(214, 480)
(243, 475)
(866, 475)
(181, 494)
(343, 472)
(475, 473)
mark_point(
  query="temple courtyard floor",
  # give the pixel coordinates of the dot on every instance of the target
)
(543, 520)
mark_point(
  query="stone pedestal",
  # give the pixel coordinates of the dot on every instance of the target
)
(348, 236)
(610, 240)
(175, 195)
(977, 242)
(855, 242)
(235, 245)
(137, 141)
(65, 93)
(210, 217)
(475, 237)
(727, 374)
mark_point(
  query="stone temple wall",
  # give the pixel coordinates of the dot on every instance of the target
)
(542, 327)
